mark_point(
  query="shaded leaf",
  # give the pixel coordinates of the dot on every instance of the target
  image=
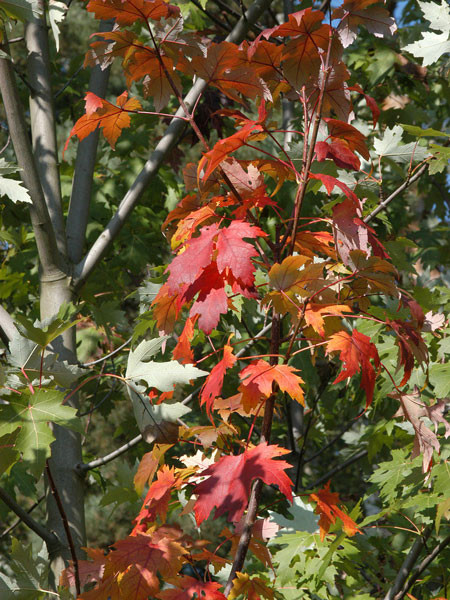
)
(425, 440)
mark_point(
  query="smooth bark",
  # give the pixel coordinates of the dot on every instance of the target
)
(43, 128)
(80, 199)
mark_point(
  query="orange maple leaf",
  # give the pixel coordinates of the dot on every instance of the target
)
(356, 351)
(315, 314)
(183, 351)
(226, 146)
(166, 309)
(157, 499)
(253, 588)
(148, 466)
(328, 509)
(258, 378)
(101, 113)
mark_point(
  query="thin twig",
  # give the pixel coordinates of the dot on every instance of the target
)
(99, 360)
(62, 512)
(408, 181)
(338, 468)
(19, 520)
(213, 18)
(49, 538)
(331, 442)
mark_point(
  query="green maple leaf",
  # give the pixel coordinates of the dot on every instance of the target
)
(390, 146)
(32, 413)
(433, 45)
(161, 375)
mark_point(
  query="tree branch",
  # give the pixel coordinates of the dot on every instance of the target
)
(82, 468)
(398, 191)
(85, 267)
(341, 467)
(51, 261)
(80, 199)
(49, 538)
(43, 129)
(18, 521)
(407, 565)
(420, 568)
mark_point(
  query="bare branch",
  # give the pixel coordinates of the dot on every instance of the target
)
(43, 128)
(151, 167)
(398, 191)
(80, 199)
(49, 538)
(51, 261)
(81, 468)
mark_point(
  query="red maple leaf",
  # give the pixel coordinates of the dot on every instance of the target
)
(197, 254)
(411, 346)
(229, 480)
(350, 231)
(328, 509)
(356, 351)
(331, 182)
(101, 113)
(127, 12)
(301, 58)
(349, 134)
(353, 13)
(212, 387)
(189, 588)
(339, 152)
(258, 378)
(209, 262)
(226, 146)
(369, 101)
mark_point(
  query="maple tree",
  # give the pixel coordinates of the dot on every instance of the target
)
(278, 225)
